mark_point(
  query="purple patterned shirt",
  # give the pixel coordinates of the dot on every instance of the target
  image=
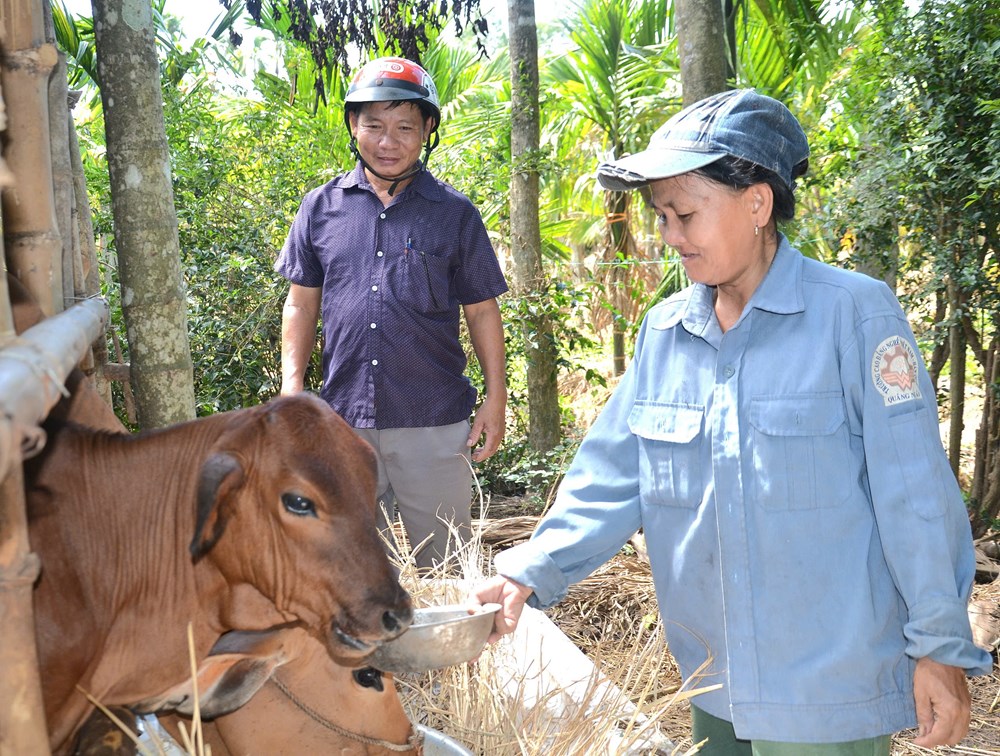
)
(394, 279)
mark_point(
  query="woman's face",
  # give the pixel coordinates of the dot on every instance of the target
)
(712, 228)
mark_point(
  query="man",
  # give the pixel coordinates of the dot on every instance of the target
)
(391, 257)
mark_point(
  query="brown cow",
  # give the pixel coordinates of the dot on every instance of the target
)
(311, 705)
(349, 710)
(260, 519)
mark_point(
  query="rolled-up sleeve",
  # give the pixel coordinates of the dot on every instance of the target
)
(920, 513)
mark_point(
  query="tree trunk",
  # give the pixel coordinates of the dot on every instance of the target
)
(940, 354)
(617, 211)
(701, 45)
(985, 492)
(30, 232)
(145, 221)
(525, 237)
(956, 388)
(876, 254)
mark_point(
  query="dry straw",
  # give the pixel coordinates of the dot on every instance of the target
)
(493, 707)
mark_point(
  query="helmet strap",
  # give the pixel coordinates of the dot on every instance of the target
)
(395, 181)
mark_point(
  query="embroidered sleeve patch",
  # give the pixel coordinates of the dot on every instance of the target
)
(894, 371)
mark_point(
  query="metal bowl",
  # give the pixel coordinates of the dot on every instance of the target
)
(436, 743)
(439, 637)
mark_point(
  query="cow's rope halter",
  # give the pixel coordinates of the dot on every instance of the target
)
(413, 743)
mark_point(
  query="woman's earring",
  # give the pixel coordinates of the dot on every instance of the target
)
(756, 230)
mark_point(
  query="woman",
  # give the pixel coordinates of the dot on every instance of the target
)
(776, 438)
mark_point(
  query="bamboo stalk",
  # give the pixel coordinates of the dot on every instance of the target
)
(62, 174)
(33, 368)
(22, 715)
(35, 365)
(34, 249)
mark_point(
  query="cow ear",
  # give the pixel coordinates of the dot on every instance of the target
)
(236, 667)
(221, 476)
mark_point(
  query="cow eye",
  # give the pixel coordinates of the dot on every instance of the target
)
(369, 677)
(298, 505)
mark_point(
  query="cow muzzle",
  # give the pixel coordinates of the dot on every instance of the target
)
(393, 623)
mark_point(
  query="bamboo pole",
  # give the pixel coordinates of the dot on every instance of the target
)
(85, 254)
(34, 367)
(22, 714)
(34, 249)
(62, 174)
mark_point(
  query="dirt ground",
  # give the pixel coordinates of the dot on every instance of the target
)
(621, 595)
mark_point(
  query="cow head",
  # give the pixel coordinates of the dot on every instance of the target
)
(286, 504)
(304, 701)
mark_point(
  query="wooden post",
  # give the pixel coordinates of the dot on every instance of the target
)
(32, 370)
(22, 715)
(62, 174)
(34, 249)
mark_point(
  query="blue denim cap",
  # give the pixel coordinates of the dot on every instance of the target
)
(740, 123)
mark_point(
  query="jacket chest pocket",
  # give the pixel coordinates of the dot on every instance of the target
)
(670, 471)
(801, 452)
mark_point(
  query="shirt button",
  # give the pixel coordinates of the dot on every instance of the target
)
(374, 288)
(372, 326)
(374, 362)
(382, 216)
(730, 372)
(379, 253)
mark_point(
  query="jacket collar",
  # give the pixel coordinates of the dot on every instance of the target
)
(780, 292)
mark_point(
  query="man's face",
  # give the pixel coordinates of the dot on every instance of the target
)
(389, 137)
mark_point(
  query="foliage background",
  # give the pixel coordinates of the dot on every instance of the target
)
(901, 102)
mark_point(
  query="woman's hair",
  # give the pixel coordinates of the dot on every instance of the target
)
(737, 173)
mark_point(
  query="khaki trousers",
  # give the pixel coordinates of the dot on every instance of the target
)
(424, 475)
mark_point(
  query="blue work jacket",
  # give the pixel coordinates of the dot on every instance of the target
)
(807, 538)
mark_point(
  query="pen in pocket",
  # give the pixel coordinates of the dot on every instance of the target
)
(427, 272)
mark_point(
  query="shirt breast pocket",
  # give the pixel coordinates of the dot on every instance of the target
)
(670, 472)
(423, 282)
(801, 452)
